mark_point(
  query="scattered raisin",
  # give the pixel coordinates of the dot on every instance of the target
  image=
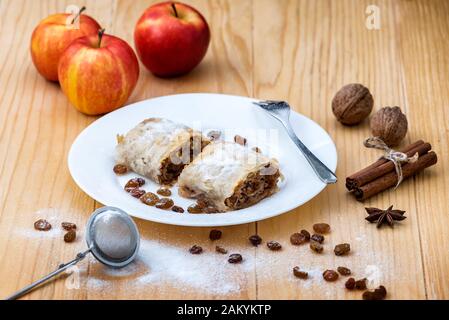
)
(360, 284)
(177, 209)
(330, 275)
(350, 284)
(221, 250)
(316, 246)
(164, 192)
(202, 206)
(240, 140)
(214, 234)
(68, 226)
(164, 203)
(378, 294)
(42, 225)
(344, 271)
(317, 238)
(321, 228)
(149, 198)
(300, 274)
(256, 149)
(194, 209)
(70, 236)
(306, 234)
(120, 169)
(297, 238)
(214, 135)
(210, 209)
(196, 249)
(255, 240)
(274, 245)
(342, 249)
(136, 192)
(235, 258)
(134, 183)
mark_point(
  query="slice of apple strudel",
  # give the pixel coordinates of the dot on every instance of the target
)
(229, 176)
(159, 149)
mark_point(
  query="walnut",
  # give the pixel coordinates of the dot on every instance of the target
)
(352, 104)
(389, 124)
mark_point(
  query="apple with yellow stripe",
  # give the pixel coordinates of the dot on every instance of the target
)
(98, 73)
(53, 35)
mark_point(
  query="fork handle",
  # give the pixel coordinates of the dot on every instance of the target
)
(323, 172)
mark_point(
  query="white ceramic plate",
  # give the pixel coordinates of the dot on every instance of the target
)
(91, 157)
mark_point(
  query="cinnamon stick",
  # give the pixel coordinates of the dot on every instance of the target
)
(373, 172)
(390, 179)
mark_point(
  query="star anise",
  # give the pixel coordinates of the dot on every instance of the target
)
(384, 216)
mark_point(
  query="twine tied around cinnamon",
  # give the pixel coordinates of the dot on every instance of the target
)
(392, 155)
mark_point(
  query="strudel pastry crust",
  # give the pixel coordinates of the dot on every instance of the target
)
(159, 149)
(229, 176)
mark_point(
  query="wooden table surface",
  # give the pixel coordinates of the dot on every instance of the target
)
(300, 51)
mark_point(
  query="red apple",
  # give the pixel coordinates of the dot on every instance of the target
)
(171, 38)
(53, 35)
(98, 73)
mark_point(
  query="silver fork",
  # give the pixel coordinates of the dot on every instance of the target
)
(280, 110)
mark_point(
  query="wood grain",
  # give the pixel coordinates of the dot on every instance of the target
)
(300, 51)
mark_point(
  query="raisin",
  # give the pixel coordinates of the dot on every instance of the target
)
(164, 203)
(235, 258)
(221, 250)
(68, 226)
(201, 203)
(274, 245)
(136, 192)
(257, 149)
(306, 234)
(149, 198)
(70, 236)
(342, 249)
(177, 209)
(164, 192)
(240, 140)
(297, 238)
(344, 271)
(134, 183)
(214, 135)
(316, 246)
(350, 284)
(378, 294)
(255, 240)
(215, 234)
(120, 169)
(330, 275)
(321, 228)
(360, 284)
(317, 238)
(194, 209)
(300, 274)
(210, 209)
(196, 249)
(42, 225)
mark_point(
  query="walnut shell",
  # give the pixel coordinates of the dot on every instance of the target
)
(352, 104)
(389, 124)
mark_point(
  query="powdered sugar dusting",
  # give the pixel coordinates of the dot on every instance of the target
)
(373, 276)
(159, 263)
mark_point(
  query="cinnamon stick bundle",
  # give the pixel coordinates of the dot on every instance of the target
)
(382, 175)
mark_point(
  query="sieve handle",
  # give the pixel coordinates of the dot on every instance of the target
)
(80, 256)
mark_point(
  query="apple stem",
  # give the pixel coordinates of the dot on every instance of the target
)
(100, 36)
(78, 14)
(174, 9)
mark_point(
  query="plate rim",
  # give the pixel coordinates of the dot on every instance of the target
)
(211, 223)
